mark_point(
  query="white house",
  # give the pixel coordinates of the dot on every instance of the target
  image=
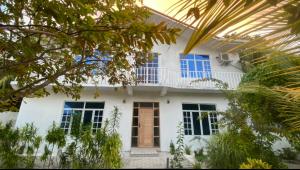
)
(166, 95)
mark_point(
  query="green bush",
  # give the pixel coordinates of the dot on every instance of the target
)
(230, 149)
(172, 148)
(199, 157)
(177, 159)
(187, 150)
(288, 154)
(18, 148)
(197, 165)
(55, 138)
(255, 164)
(9, 146)
(94, 150)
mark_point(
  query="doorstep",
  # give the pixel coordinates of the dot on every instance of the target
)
(144, 152)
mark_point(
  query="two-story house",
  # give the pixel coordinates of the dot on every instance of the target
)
(169, 91)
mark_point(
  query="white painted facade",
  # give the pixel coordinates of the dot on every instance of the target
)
(175, 89)
(6, 117)
(43, 111)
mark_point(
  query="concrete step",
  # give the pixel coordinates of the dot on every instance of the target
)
(144, 152)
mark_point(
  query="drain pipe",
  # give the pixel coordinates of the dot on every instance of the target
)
(168, 162)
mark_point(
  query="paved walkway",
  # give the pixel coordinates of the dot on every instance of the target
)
(145, 162)
(149, 162)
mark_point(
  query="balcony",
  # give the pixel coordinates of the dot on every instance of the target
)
(158, 78)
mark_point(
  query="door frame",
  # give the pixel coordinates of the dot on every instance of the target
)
(135, 120)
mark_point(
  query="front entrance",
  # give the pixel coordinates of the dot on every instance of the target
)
(145, 125)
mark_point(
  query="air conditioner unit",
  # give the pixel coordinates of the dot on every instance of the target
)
(223, 59)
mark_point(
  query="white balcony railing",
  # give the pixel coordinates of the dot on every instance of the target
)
(178, 79)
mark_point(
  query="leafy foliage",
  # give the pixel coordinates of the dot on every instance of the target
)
(230, 149)
(288, 154)
(99, 150)
(172, 148)
(263, 97)
(40, 40)
(177, 159)
(255, 164)
(200, 157)
(30, 143)
(277, 22)
(187, 150)
(9, 147)
(55, 139)
(18, 148)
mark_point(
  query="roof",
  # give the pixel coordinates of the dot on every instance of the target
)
(192, 28)
(170, 18)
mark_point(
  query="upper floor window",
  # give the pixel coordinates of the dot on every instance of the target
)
(85, 113)
(195, 66)
(95, 59)
(148, 73)
(199, 119)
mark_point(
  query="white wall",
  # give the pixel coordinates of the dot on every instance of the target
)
(6, 117)
(169, 57)
(43, 111)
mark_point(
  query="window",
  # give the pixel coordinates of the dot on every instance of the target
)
(87, 113)
(199, 119)
(148, 73)
(96, 59)
(187, 123)
(195, 66)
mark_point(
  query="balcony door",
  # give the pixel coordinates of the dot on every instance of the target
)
(148, 73)
(195, 66)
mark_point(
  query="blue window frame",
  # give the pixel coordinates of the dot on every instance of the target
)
(91, 60)
(195, 66)
(90, 113)
(148, 73)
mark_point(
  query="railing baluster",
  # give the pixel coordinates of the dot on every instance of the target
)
(175, 79)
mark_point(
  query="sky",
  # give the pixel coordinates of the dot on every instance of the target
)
(159, 5)
(164, 5)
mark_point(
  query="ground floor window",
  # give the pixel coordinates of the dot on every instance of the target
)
(199, 119)
(87, 113)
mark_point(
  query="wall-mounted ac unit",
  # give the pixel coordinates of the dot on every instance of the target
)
(223, 59)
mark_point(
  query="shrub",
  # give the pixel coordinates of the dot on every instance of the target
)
(197, 165)
(30, 143)
(18, 148)
(9, 146)
(172, 148)
(199, 157)
(230, 149)
(176, 161)
(55, 138)
(101, 149)
(226, 151)
(288, 154)
(255, 164)
(187, 150)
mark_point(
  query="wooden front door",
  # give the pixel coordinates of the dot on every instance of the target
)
(145, 127)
